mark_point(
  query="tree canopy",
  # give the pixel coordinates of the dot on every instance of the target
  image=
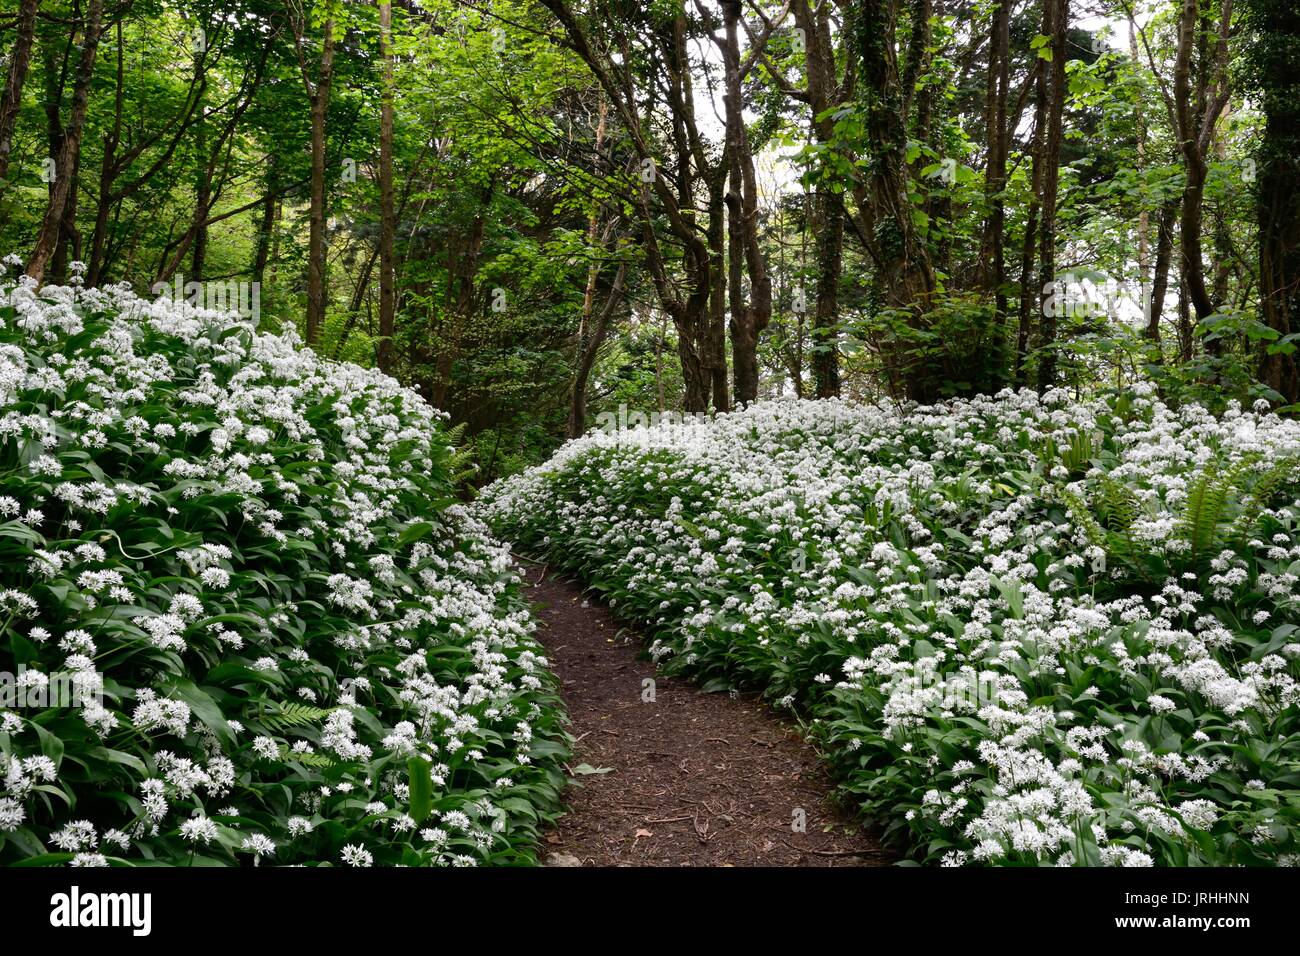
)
(535, 211)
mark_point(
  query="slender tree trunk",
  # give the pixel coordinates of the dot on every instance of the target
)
(992, 245)
(316, 237)
(1199, 101)
(587, 356)
(748, 318)
(266, 223)
(1186, 332)
(587, 333)
(904, 262)
(828, 226)
(744, 338)
(1155, 305)
(828, 213)
(659, 361)
(715, 346)
(70, 148)
(1144, 217)
(387, 219)
(103, 214)
(108, 169)
(20, 58)
(69, 244)
(1055, 23)
(202, 204)
(1030, 294)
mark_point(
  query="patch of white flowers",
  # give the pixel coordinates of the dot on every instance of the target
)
(1031, 629)
(252, 545)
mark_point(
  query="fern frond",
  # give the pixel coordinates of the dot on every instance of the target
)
(460, 463)
(293, 714)
(1204, 510)
(1119, 503)
(1264, 490)
(318, 760)
(455, 434)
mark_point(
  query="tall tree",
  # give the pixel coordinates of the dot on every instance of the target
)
(666, 192)
(1056, 15)
(214, 172)
(824, 91)
(387, 218)
(998, 134)
(65, 164)
(906, 274)
(318, 95)
(115, 160)
(749, 316)
(20, 58)
(1201, 90)
(592, 326)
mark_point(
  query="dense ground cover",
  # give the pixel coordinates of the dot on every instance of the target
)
(310, 653)
(1026, 630)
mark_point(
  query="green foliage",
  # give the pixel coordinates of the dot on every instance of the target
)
(257, 553)
(1201, 520)
(1024, 631)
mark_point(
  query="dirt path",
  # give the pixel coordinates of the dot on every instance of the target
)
(693, 779)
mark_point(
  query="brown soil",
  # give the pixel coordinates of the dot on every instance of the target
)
(693, 779)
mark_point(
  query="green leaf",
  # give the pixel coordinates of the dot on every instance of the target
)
(421, 783)
(414, 533)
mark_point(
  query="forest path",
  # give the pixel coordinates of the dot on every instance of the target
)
(692, 779)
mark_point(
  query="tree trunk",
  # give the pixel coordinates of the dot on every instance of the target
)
(599, 325)
(65, 165)
(1198, 104)
(1031, 297)
(202, 204)
(1144, 217)
(748, 318)
(266, 224)
(1160, 275)
(904, 263)
(316, 238)
(992, 244)
(20, 58)
(696, 377)
(588, 333)
(823, 93)
(714, 351)
(828, 228)
(387, 219)
(1055, 22)
(1186, 332)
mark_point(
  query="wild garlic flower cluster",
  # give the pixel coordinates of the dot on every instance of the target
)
(309, 653)
(1028, 629)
